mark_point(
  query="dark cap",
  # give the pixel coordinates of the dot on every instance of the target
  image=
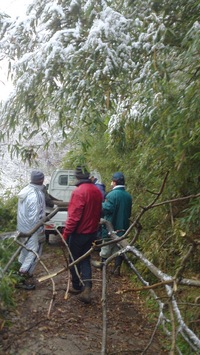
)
(37, 177)
(118, 176)
(82, 173)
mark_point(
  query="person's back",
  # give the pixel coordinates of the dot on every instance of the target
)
(117, 208)
(84, 208)
(31, 207)
(80, 231)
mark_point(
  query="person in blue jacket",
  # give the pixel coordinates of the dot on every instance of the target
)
(96, 179)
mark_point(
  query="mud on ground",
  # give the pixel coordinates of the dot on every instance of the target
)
(74, 328)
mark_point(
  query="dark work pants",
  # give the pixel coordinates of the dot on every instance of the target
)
(79, 244)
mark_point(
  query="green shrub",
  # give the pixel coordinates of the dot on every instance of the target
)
(8, 214)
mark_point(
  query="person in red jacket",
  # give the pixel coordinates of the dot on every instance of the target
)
(81, 227)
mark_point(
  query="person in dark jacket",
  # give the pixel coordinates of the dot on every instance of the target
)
(81, 227)
(116, 209)
(96, 179)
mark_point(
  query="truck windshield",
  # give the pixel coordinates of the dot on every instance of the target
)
(63, 180)
(67, 180)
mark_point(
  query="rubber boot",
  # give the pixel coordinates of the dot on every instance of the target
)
(85, 296)
(74, 291)
(98, 264)
(25, 282)
(117, 267)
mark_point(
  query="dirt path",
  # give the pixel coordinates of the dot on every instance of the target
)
(75, 328)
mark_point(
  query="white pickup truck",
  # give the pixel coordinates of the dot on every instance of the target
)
(61, 185)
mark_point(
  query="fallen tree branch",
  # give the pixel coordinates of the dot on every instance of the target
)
(104, 309)
(28, 235)
(183, 282)
(165, 280)
(150, 287)
(195, 341)
(46, 269)
(44, 278)
(136, 223)
(173, 332)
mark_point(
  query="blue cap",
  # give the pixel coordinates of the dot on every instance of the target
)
(118, 176)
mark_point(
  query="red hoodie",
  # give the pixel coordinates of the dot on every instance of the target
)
(84, 211)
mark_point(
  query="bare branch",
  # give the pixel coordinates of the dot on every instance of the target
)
(46, 269)
(28, 235)
(184, 261)
(173, 333)
(104, 309)
(44, 278)
(176, 199)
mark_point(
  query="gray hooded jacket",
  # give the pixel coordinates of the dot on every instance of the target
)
(31, 208)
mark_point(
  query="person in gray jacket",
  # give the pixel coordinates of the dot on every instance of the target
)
(31, 209)
(117, 210)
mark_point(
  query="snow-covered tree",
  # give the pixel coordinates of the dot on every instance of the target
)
(124, 66)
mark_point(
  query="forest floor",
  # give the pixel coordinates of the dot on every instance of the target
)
(74, 328)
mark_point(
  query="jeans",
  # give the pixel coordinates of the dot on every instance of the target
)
(79, 244)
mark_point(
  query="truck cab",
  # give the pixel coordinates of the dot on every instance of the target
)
(60, 188)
